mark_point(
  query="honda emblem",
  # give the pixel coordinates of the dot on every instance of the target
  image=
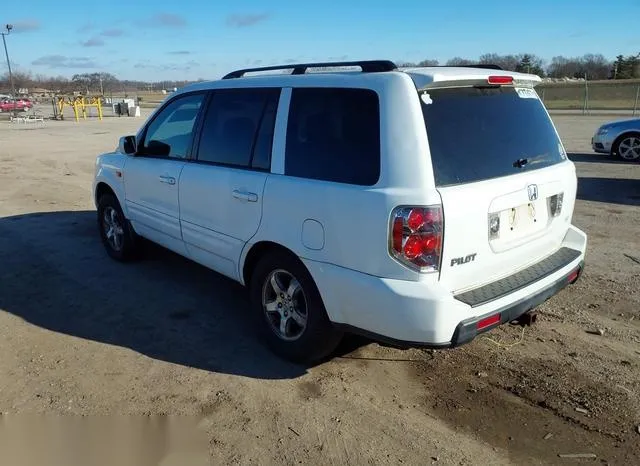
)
(532, 191)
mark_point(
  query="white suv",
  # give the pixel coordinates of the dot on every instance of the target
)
(418, 206)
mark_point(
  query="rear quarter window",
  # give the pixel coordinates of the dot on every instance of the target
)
(477, 134)
(334, 135)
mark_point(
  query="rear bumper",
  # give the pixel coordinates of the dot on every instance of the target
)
(468, 329)
(424, 314)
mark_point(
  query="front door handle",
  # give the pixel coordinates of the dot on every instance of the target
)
(167, 179)
(245, 196)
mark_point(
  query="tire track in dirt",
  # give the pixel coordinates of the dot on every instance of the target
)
(513, 399)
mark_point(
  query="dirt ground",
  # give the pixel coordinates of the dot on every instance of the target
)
(82, 334)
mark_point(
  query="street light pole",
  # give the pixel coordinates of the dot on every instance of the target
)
(9, 27)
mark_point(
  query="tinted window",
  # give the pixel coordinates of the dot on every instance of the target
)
(334, 135)
(238, 127)
(170, 132)
(480, 133)
(262, 149)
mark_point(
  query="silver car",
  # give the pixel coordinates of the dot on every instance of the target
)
(620, 138)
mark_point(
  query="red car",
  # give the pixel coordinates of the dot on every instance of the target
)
(22, 104)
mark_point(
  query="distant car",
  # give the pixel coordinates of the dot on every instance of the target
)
(619, 138)
(22, 104)
(26, 102)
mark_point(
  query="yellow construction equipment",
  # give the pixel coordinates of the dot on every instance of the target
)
(79, 104)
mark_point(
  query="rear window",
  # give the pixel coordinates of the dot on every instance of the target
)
(478, 134)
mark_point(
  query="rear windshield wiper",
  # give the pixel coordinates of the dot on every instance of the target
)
(520, 163)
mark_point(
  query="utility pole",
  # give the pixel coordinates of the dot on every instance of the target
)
(585, 107)
(9, 27)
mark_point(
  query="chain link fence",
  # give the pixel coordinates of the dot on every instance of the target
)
(592, 95)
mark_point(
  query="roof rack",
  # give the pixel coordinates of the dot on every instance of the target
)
(368, 66)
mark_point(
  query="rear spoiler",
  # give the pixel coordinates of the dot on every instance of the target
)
(482, 78)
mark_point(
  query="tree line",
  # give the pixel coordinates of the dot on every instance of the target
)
(589, 66)
(103, 83)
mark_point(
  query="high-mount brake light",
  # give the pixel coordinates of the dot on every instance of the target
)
(500, 80)
(416, 237)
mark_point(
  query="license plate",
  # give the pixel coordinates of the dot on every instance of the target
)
(522, 220)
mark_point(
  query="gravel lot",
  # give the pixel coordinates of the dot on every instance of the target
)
(82, 334)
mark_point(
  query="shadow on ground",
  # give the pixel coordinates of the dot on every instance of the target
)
(598, 158)
(612, 190)
(56, 275)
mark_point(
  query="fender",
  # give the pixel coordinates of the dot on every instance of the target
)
(110, 171)
(242, 260)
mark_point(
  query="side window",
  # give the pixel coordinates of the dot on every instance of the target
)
(238, 128)
(171, 131)
(262, 150)
(334, 135)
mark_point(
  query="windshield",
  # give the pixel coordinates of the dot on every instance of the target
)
(477, 134)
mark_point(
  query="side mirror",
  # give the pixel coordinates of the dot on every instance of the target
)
(127, 145)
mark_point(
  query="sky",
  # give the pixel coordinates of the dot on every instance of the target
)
(155, 40)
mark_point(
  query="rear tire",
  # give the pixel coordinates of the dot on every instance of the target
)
(289, 311)
(627, 147)
(118, 238)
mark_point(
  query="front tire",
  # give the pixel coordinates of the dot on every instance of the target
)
(116, 233)
(289, 311)
(627, 147)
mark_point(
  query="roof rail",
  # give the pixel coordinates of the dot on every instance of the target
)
(368, 66)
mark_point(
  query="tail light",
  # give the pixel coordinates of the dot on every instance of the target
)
(416, 237)
(500, 80)
(555, 204)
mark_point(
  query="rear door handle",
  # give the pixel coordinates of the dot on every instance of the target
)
(167, 179)
(245, 196)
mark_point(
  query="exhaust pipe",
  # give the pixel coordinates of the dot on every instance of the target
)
(527, 319)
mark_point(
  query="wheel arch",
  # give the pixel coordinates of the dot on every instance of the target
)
(621, 136)
(103, 188)
(259, 249)
(255, 252)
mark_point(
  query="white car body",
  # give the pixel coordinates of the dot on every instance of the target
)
(219, 216)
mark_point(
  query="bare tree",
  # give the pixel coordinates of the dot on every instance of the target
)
(458, 61)
(21, 80)
(590, 65)
(428, 62)
(506, 62)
